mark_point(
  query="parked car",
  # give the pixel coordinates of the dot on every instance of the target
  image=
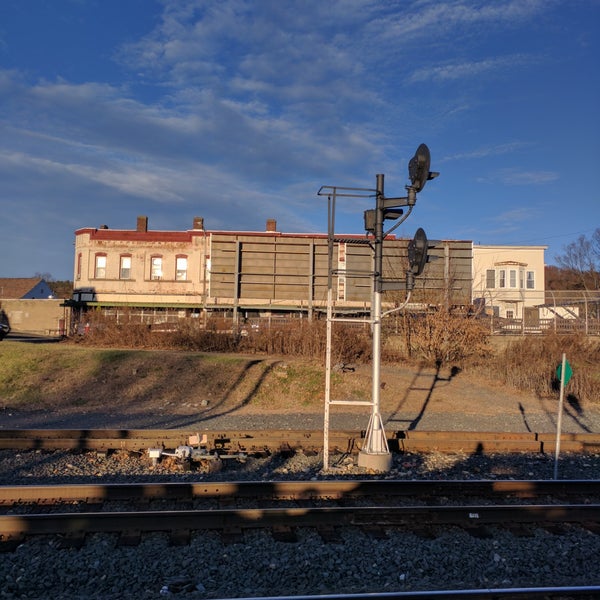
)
(4, 330)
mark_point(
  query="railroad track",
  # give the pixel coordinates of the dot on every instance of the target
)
(584, 490)
(256, 441)
(284, 506)
(531, 593)
(378, 507)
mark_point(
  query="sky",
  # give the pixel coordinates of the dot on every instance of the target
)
(241, 110)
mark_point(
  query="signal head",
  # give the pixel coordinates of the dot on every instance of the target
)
(417, 252)
(418, 168)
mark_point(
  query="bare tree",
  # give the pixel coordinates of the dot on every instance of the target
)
(596, 245)
(582, 257)
(47, 277)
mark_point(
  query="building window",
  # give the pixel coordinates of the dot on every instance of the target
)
(513, 278)
(181, 268)
(125, 270)
(521, 279)
(502, 278)
(156, 271)
(510, 314)
(530, 280)
(100, 272)
(79, 258)
(490, 279)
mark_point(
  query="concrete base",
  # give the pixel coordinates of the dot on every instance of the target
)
(381, 463)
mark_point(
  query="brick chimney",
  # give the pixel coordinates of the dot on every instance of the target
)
(142, 224)
(271, 225)
(199, 223)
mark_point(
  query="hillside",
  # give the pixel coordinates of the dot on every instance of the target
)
(66, 377)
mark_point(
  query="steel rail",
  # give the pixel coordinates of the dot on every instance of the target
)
(545, 593)
(295, 490)
(18, 526)
(276, 440)
(142, 439)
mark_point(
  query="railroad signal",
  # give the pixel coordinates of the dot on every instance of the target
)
(375, 452)
(418, 168)
(392, 209)
(417, 252)
(370, 216)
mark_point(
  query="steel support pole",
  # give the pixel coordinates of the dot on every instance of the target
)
(330, 245)
(375, 453)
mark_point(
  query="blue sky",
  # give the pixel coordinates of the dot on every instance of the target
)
(239, 111)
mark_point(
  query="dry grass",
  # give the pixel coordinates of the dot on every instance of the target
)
(436, 339)
(530, 364)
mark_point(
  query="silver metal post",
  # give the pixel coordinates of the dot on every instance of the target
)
(330, 233)
(375, 453)
(327, 383)
(560, 412)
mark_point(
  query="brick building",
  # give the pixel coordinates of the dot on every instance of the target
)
(247, 273)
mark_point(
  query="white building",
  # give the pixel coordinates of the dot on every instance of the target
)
(508, 281)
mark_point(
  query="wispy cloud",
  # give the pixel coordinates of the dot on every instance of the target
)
(486, 151)
(515, 215)
(470, 69)
(515, 176)
(452, 17)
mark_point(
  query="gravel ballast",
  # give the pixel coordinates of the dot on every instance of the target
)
(210, 567)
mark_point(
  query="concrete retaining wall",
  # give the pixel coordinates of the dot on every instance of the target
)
(41, 317)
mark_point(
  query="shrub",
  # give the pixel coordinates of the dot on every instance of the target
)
(530, 364)
(440, 337)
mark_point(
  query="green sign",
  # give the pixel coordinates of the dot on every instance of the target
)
(568, 372)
